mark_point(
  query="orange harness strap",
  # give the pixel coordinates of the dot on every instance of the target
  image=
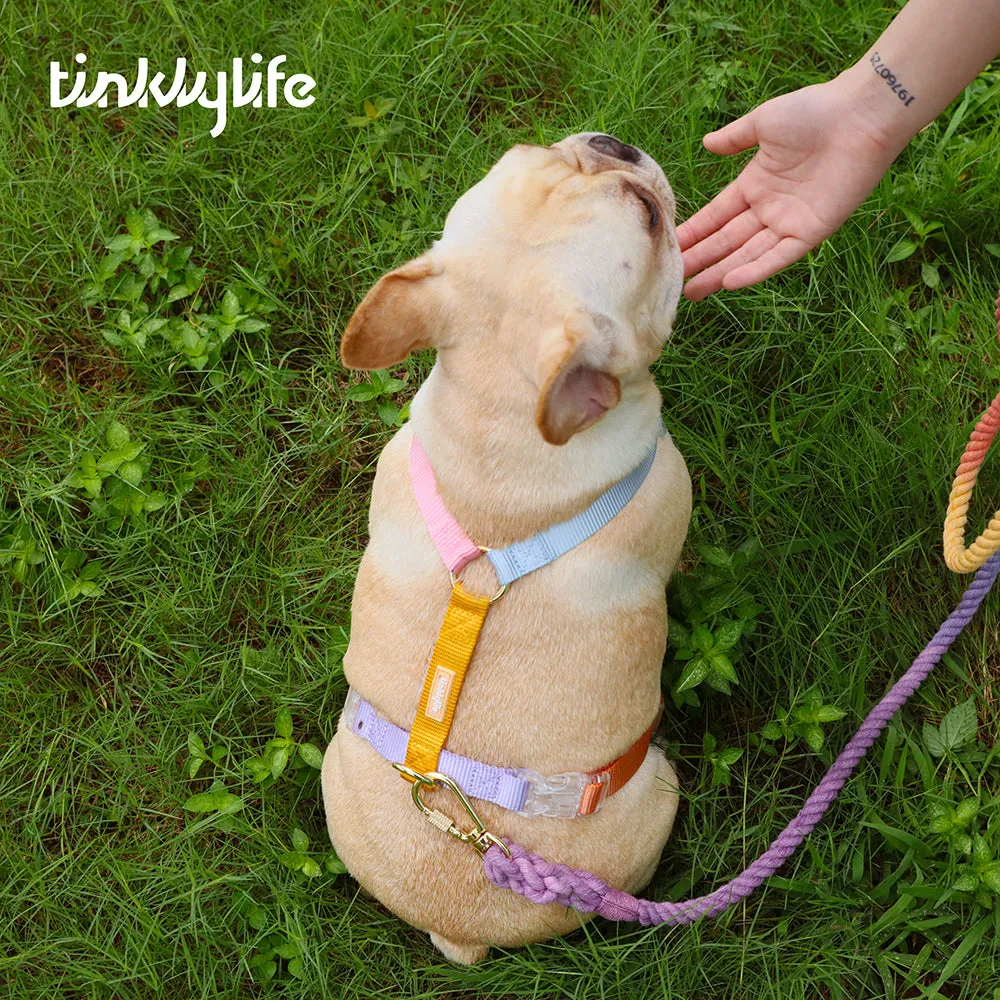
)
(618, 772)
(456, 642)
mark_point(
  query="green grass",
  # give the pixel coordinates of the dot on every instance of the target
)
(820, 414)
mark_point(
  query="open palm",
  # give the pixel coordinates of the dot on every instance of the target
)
(815, 163)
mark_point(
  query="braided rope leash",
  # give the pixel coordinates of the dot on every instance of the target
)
(959, 558)
(544, 882)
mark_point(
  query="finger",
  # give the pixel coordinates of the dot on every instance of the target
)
(788, 251)
(721, 244)
(726, 205)
(732, 138)
(710, 280)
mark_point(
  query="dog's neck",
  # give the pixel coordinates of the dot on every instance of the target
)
(497, 475)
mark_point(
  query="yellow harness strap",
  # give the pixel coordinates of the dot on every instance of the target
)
(453, 650)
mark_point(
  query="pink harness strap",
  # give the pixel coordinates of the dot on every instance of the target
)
(453, 544)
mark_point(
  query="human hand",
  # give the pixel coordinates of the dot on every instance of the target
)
(819, 155)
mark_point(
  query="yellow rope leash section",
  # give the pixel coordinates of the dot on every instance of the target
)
(958, 558)
(456, 642)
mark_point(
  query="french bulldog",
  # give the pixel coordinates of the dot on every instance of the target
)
(551, 291)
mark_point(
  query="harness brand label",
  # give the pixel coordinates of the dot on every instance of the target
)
(437, 700)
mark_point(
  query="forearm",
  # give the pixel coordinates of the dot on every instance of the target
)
(920, 63)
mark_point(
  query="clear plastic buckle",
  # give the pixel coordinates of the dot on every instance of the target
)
(562, 796)
(350, 710)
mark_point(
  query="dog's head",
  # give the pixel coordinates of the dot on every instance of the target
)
(565, 256)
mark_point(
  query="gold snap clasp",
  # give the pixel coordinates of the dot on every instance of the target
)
(479, 837)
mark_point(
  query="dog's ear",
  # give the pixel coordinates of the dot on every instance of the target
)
(577, 390)
(401, 313)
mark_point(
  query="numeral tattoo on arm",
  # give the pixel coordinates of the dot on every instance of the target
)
(890, 78)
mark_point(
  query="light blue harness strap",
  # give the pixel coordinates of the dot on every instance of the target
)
(521, 558)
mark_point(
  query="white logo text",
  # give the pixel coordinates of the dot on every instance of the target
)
(260, 86)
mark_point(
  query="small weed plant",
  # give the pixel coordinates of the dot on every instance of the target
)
(710, 611)
(295, 764)
(111, 487)
(114, 481)
(283, 752)
(63, 573)
(719, 759)
(964, 831)
(920, 239)
(153, 305)
(803, 721)
(376, 391)
(956, 835)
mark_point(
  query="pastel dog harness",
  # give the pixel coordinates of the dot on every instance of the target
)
(419, 754)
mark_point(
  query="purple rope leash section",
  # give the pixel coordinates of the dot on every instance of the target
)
(544, 882)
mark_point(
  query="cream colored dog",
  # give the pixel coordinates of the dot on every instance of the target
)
(552, 290)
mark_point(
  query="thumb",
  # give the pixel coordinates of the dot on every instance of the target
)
(734, 137)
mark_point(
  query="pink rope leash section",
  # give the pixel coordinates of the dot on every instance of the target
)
(544, 882)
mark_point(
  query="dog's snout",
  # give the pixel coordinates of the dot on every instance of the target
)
(611, 146)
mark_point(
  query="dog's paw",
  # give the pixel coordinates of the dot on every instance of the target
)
(460, 954)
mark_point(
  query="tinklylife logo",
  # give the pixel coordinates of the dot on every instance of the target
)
(261, 87)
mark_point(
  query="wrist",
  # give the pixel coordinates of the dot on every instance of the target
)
(887, 112)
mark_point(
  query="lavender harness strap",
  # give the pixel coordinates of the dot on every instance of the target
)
(543, 882)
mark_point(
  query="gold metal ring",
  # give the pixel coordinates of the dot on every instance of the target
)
(503, 586)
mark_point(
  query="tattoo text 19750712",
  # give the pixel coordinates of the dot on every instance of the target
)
(890, 78)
